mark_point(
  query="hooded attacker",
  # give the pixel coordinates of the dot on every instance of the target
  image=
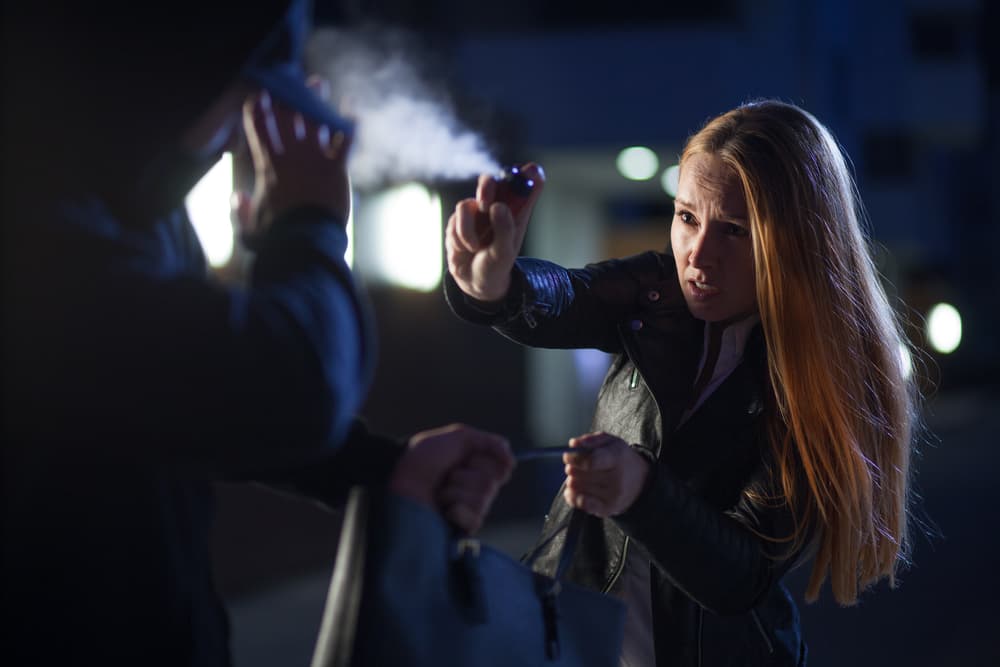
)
(132, 381)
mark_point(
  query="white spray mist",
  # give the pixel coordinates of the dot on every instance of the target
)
(406, 129)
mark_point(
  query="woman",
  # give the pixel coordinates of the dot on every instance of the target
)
(757, 413)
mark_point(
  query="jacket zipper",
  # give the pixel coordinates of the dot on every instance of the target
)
(633, 383)
(613, 579)
(630, 346)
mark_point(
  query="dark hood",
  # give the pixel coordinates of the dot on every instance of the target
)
(99, 93)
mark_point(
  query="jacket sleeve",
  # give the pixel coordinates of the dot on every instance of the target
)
(364, 459)
(128, 351)
(724, 560)
(553, 307)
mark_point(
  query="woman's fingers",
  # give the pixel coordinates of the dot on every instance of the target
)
(591, 504)
(486, 188)
(466, 233)
(593, 492)
(587, 480)
(605, 476)
(504, 230)
(597, 451)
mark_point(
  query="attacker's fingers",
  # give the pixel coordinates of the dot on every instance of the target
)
(267, 125)
(464, 518)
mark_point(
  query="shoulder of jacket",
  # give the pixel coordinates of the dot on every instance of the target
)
(655, 276)
(649, 266)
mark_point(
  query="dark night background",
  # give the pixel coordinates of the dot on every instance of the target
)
(910, 88)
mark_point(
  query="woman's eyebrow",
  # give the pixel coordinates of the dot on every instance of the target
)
(722, 216)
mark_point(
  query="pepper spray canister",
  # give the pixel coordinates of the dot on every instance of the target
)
(514, 188)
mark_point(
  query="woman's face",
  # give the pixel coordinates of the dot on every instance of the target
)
(710, 237)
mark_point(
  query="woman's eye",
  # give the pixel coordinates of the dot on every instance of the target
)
(736, 230)
(685, 217)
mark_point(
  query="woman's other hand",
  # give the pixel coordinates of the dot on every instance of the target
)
(484, 238)
(606, 477)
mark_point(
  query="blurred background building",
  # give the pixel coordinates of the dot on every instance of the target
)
(909, 87)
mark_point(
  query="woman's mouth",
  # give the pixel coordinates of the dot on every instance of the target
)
(701, 290)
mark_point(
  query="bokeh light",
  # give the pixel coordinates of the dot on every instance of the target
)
(944, 328)
(637, 163)
(407, 237)
(670, 179)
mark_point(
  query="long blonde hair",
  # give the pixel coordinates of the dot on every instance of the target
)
(844, 405)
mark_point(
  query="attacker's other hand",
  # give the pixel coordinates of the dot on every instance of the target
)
(297, 162)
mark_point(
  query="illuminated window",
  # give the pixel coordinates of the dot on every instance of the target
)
(403, 225)
(208, 205)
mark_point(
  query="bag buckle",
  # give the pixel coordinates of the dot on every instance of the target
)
(467, 581)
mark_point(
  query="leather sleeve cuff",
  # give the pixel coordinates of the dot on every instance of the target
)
(490, 313)
(643, 505)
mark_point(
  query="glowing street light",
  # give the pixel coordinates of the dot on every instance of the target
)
(944, 328)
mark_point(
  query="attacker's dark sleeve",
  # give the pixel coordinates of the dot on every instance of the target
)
(363, 459)
(122, 347)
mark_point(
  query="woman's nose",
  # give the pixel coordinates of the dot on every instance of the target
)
(702, 253)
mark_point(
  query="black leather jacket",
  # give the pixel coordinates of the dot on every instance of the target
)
(717, 559)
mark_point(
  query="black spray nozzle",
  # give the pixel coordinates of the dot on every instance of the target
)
(519, 184)
(514, 187)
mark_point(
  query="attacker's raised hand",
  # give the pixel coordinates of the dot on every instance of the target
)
(297, 162)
